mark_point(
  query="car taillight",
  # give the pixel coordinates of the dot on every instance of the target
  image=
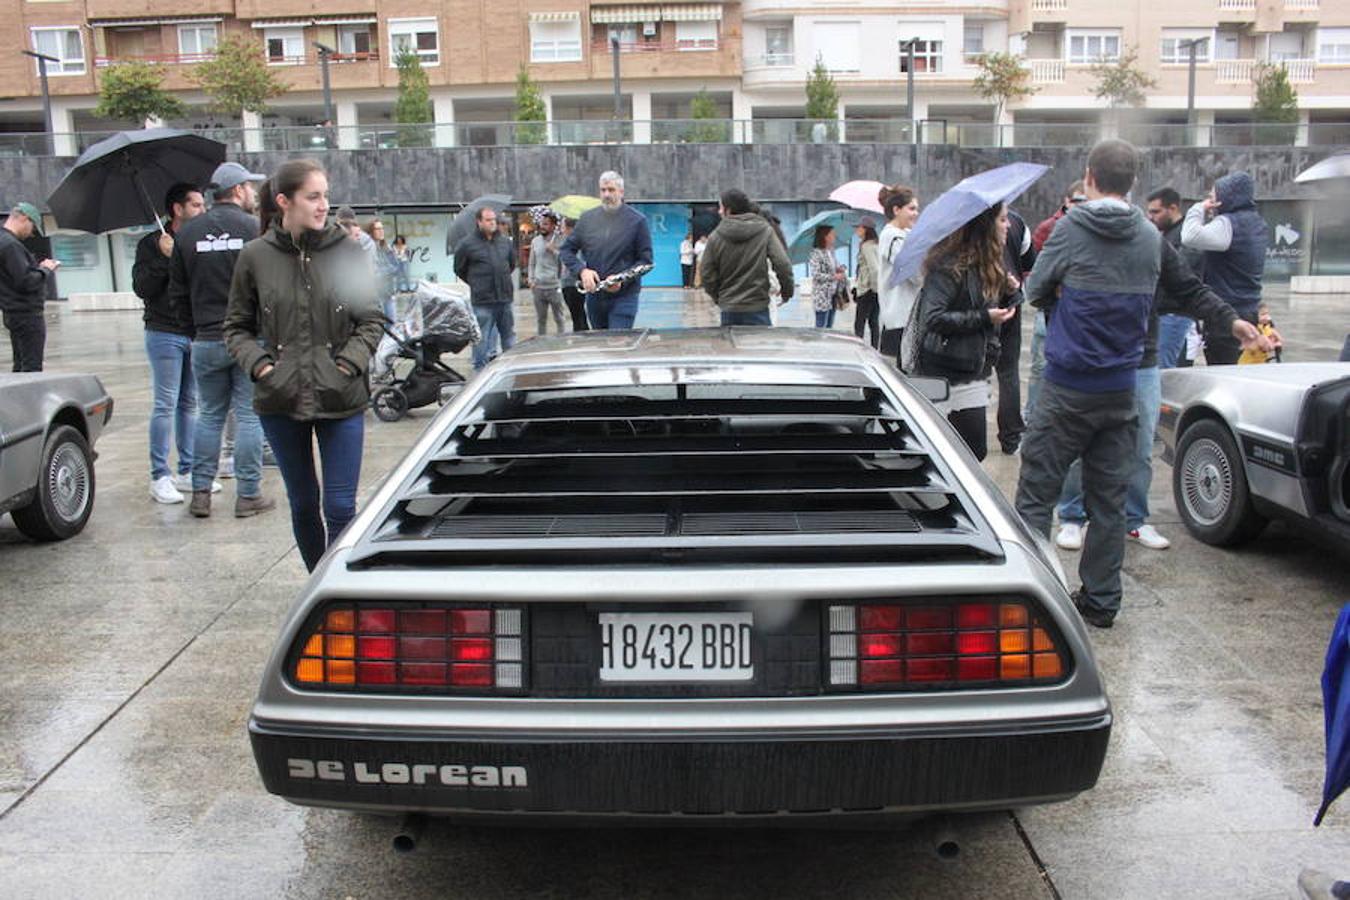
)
(929, 645)
(416, 648)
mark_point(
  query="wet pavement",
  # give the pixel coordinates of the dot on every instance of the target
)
(130, 655)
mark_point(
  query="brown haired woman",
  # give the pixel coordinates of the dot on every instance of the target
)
(967, 294)
(303, 320)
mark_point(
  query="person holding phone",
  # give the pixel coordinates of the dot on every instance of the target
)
(967, 295)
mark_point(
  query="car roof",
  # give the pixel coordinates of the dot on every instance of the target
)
(643, 346)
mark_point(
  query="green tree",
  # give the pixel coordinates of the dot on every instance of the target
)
(1122, 83)
(709, 125)
(1274, 105)
(822, 100)
(238, 80)
(530, 109)
(132, 90)
(413, 110)
(1003, 78)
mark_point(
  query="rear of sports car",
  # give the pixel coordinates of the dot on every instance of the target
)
(711, 574)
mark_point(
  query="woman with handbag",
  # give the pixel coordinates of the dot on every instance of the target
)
(827, 277)
(967, 294)
(868, 312)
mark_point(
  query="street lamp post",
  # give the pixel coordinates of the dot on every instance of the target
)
(42, 60)
(909, 88)
(618, 88)
(1191, 46)
(325, 53)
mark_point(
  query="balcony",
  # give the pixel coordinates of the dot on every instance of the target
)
(1241, 71)
(669, 57)
(1042, 6)
(1240, 6)
(163, 59)
(781, 60)
(1046, 71)
(1302, 5)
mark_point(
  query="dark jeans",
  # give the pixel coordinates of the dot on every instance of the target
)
(605, 311)
(972, 425)
(1100, 428)
(27, 339)
(746, 317)
(825, 318)
(318, 522)
(1010, 424)
(687, 275)
(1221, 348)
(868, 313)
(576, 305)
(497, 321)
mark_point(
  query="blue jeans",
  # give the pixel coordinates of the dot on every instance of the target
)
(825, 318)
(1148, 405)
(606, 311)
(318, 522)
(223, 387)
(1037, 365)
(758, 317)
(1172, 332)
(496, 321)
(174, 390)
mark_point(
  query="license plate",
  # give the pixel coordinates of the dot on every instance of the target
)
(703, 646)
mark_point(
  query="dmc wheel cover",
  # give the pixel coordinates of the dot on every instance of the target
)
(1207, 482)
(68, 483)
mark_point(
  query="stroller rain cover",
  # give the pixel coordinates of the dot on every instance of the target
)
(436, 310)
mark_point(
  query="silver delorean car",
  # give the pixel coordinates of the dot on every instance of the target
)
(1249, 444)
(721, 574)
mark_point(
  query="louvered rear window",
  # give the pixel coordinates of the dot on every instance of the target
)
(572, 467)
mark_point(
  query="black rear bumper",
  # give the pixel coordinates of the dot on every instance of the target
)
(691, 777)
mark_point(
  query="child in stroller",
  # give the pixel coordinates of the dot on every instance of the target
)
(438, 320)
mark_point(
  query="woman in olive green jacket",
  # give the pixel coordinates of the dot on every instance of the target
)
(303, 320)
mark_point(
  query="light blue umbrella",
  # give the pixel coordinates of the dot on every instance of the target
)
(958, 206)
(799, 248)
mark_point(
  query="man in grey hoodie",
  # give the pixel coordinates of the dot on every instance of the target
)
(735, 266)
(545, 273)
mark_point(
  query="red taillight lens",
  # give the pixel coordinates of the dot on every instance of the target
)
(928, 645)
(383, 646)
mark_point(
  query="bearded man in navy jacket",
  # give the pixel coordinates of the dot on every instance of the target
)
(610, 239)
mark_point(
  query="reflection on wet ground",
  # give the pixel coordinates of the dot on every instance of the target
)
(130, 656)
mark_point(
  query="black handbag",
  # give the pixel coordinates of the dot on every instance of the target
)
(958, 353)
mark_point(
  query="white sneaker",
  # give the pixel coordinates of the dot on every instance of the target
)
(162, 490)
(184, 483)
(1070, 536)
(1149, 537)
(226, 469)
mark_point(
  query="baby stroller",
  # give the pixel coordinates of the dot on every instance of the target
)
(438, 320)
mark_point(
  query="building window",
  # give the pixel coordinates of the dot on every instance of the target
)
(417, 35)
(778, 45)
(285, 46)
(354, 40)
(196, 42)
(65, 45)
(696, 35)
(1284, 46)
(1333, 46)
(555, 41)
(1093, 46)
(927, 57)
(972, 41)
(838, 45)
(1174, 49)
(1227, 45)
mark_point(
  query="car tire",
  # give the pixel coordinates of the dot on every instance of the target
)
(390, 404)
(1209, 486)
(65, 489)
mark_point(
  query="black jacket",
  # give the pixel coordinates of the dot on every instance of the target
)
(204, 253)
(23, 283)
(959, 341)
(1190, 297)
(150, 281)
(1164, 302)
(485, 266)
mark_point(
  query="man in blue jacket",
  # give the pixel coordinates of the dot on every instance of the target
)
(612, 237)
(1234, 242)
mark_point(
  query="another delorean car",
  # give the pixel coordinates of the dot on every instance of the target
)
(1252, 443)
(721, 573)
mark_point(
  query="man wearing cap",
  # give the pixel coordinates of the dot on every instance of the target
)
(346, 217)
(200, 268)
(23, 287)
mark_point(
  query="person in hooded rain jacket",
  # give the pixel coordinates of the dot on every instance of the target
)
(733, 270)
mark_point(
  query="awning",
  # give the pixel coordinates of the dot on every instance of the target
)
(571, 16)
(692, 12)
(130, 23)
(345, 20)
(608, 15)
(282, 23)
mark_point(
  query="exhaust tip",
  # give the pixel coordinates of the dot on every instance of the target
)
(409, 833)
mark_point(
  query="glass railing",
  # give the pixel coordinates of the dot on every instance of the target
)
(318, 139)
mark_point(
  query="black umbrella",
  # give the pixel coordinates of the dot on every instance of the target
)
(466, 220)
(112, 184)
